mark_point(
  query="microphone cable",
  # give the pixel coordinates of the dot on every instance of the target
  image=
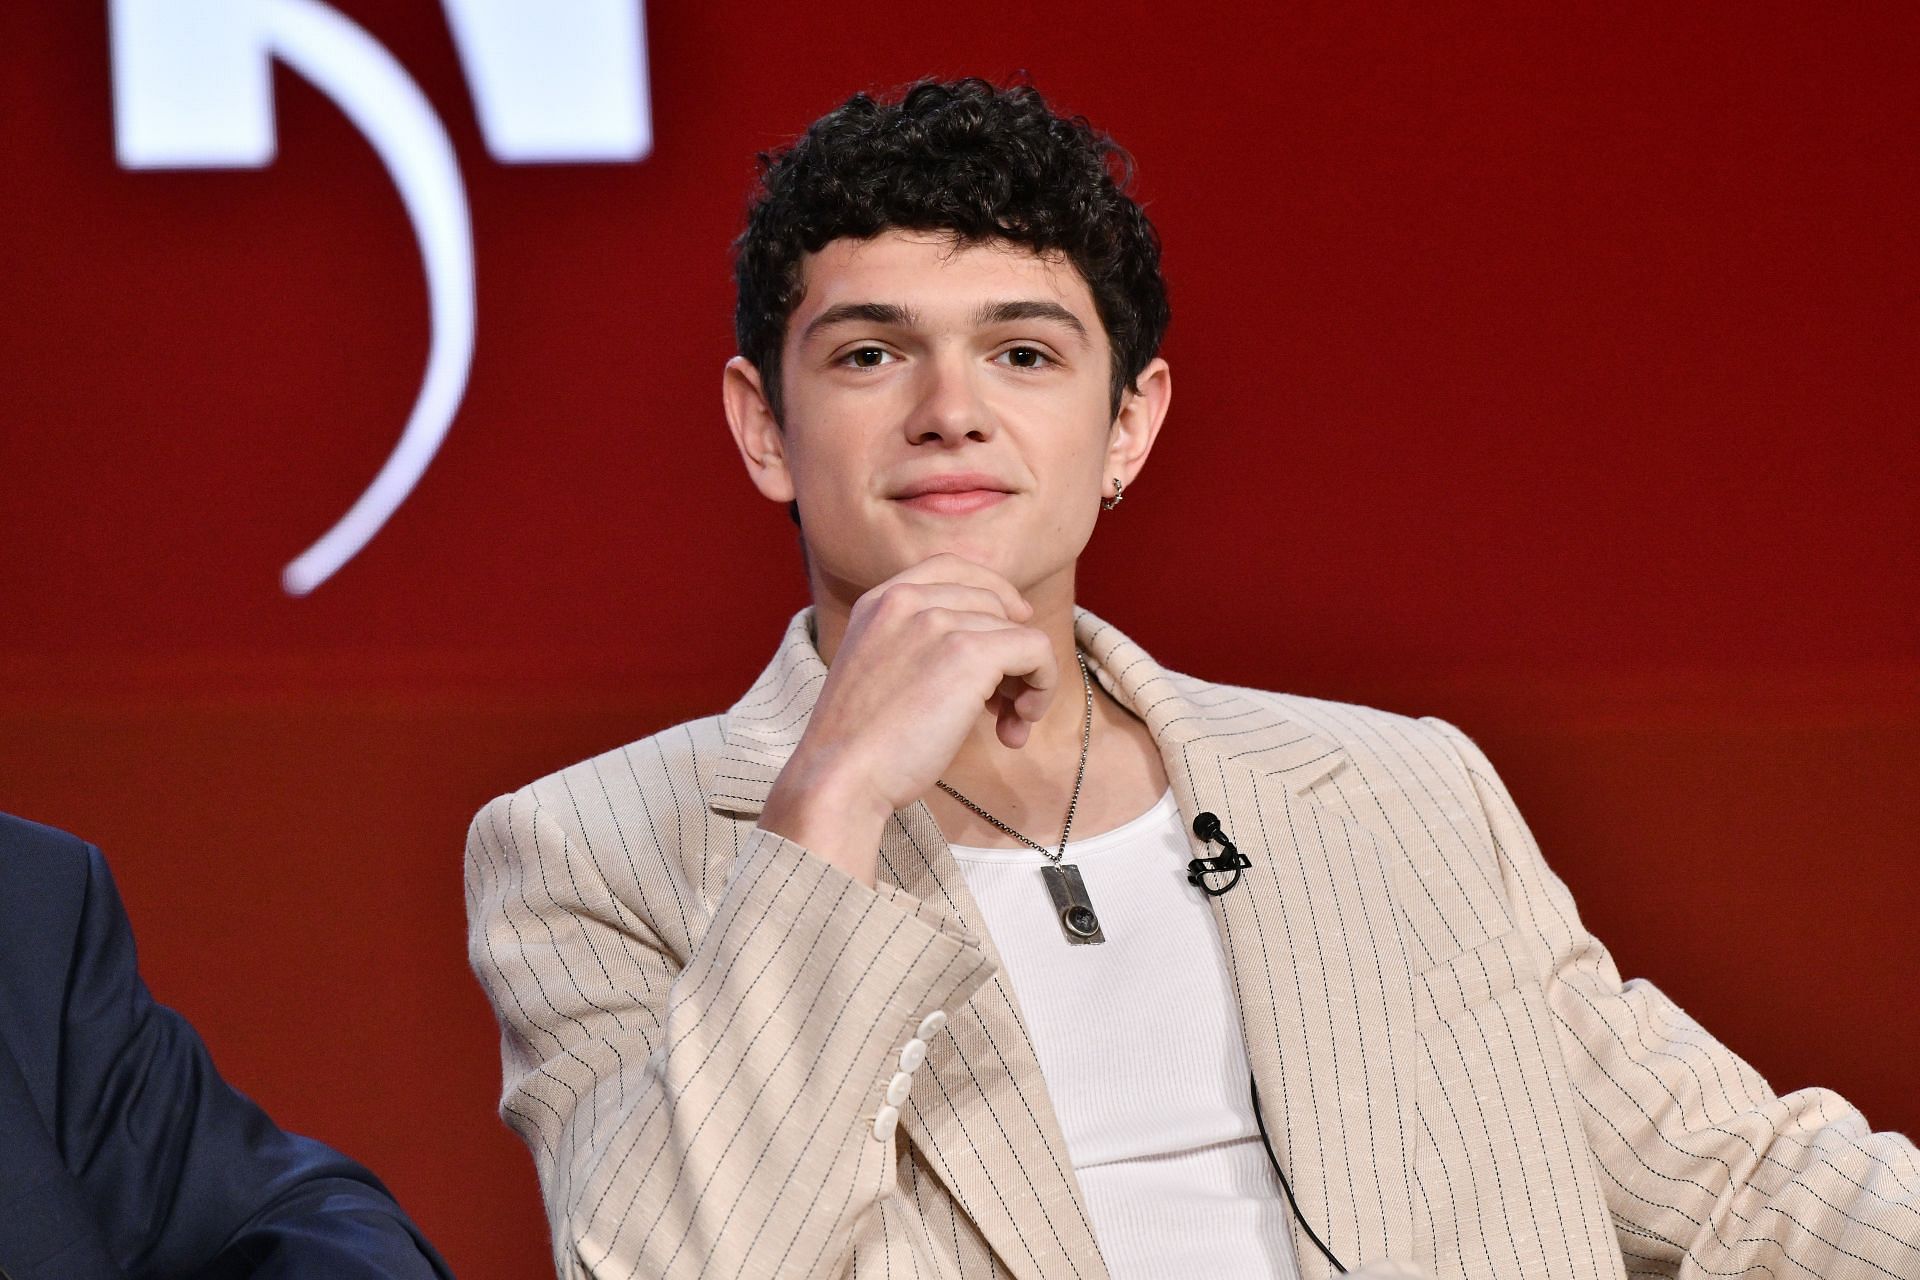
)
(1284, 1184)
(1231, 861)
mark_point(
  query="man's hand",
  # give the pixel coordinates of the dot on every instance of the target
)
(924, 651)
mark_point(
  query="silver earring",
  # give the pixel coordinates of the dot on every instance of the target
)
(1118, 493)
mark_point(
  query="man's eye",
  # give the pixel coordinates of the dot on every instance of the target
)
(1026, 357)
(866, 357)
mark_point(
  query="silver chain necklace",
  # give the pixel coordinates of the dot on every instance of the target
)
(1064, 886)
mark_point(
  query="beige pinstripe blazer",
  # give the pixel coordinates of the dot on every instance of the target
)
(700, 1019)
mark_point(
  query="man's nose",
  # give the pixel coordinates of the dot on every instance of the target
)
(949, 408)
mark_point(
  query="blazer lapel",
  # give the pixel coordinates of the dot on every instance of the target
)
(1323, 982)
(44, 1221)
(978, 1112)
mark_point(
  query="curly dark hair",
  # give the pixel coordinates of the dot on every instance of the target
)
(966, 157)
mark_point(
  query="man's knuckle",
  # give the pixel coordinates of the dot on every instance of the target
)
(958, 646)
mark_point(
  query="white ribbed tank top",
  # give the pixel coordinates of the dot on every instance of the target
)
(1139, 1041)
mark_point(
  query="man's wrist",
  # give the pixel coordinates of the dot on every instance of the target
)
(832, 816)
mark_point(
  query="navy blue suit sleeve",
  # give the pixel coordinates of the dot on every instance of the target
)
(185, 1175)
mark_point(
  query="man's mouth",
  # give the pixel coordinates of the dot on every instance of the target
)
(958, 493)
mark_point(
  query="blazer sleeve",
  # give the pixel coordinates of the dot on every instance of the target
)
(184, 1174)
(1706, 1171)
(708, 1114)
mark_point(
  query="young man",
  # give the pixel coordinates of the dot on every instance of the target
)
(906, 966)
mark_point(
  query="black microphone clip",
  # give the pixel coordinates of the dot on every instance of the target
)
(1229, 860)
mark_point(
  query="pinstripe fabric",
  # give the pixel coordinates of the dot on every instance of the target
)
(699, 1021)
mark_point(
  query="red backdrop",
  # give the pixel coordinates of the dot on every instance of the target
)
(1553, 373)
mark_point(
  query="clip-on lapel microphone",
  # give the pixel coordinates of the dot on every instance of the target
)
(1228, 861)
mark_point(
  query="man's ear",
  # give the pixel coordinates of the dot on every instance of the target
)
(756, 432)
(1137, 425)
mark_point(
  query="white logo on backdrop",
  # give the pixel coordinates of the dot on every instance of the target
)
(552, 80)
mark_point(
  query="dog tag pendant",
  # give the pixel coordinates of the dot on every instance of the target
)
(1070, 901)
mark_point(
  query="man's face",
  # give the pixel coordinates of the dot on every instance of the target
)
(942, 398)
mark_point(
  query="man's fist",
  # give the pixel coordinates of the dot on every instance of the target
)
(924, 653)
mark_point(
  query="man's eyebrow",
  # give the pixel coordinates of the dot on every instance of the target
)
(887, 313)
(1028, 309)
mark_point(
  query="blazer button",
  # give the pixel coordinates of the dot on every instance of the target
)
(898, 1087)
(913, 1054)
(931, 1024)
(884, 1122)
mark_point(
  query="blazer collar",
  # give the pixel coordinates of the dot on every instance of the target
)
(1310, 937)
(1192, 718)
